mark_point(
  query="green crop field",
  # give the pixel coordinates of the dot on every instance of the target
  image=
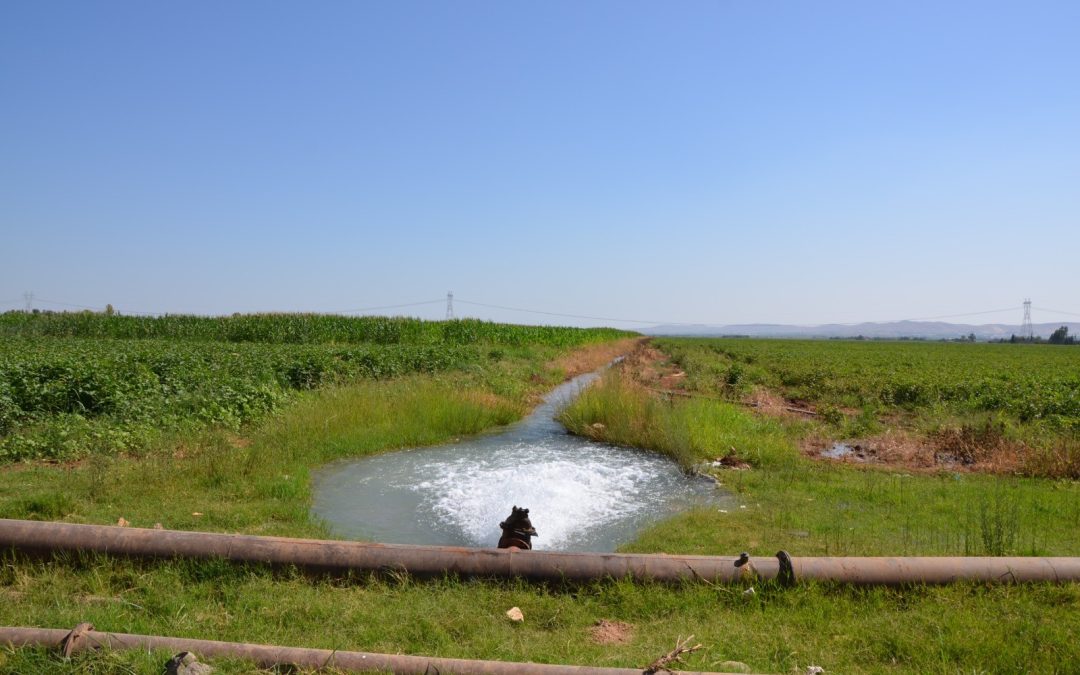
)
(218, 424)
(76, 383)
(1001, 407)
(1026, 383)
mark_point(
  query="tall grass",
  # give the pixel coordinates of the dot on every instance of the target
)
(617, 410)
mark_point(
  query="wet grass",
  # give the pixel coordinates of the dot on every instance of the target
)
(691, 431)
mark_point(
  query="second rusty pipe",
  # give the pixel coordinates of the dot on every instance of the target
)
(32, 537)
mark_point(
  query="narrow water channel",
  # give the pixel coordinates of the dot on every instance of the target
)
(582, 495)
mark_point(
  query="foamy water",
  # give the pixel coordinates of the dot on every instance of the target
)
(581, 495)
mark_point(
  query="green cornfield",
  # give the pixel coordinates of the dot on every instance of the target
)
(295, 329)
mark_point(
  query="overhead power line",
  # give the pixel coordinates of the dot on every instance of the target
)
(680, 323)
(574, 316)
(63, 304)
(956, 316)
(95, 309)
(406, 304)
(1056, 311)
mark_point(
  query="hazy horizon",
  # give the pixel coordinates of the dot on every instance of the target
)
(696, 162)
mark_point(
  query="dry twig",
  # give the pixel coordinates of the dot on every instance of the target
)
(674, 656)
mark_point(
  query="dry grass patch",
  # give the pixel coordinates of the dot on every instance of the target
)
(590, 358)
(650, 367)
(1061, 460)
(982, 448)
(768, 402)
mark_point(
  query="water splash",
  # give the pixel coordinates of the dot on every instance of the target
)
(582, 495)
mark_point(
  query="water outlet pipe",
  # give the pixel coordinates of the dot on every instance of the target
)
(339, 557)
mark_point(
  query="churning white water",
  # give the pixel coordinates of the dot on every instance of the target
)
(582, 495)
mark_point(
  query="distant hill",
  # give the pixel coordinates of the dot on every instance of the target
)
(931, 330)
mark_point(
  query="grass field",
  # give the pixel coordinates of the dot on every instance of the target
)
(254, 478)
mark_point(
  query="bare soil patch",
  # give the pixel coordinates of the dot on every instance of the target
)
(592, 357)
(651, 368)
(606, 632)
(954, 449)
(893, 447)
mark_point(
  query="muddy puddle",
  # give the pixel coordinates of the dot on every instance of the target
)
(852, 452)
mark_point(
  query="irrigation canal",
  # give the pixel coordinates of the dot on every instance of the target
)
(583, 495)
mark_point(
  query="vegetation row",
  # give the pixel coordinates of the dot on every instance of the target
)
(64, 398)
(295, 329)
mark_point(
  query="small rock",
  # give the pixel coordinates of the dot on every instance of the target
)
(515, 615)
(749, 593)
(734, 667)
(122, 522)
(186, 663)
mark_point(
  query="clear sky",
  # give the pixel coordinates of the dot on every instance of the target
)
(715, 162)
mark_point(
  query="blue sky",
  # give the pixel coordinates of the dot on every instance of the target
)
(715, 162)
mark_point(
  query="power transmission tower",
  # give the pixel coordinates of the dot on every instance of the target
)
(449, 304)
(29, 297)
(1026, 330)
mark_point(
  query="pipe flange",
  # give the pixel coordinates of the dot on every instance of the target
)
(786, 575)
(76, 640)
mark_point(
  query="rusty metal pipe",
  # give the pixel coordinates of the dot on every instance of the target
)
(936, 570)
(32, 537)
(268, 656)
